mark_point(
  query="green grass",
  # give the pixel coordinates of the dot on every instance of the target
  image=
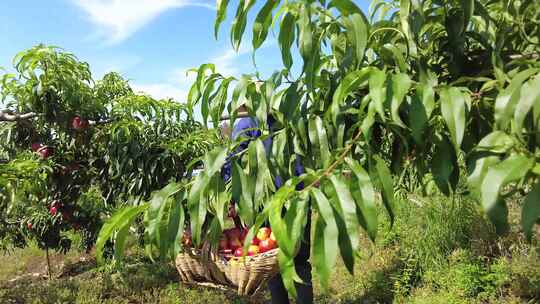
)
(439, 251)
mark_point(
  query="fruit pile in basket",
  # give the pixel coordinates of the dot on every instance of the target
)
(244, 272)
(232, 242)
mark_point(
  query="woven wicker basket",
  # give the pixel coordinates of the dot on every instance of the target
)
(191, 267)
(250, 274)
(246, 276)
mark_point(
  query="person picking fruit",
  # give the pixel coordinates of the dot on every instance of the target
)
(248, 129)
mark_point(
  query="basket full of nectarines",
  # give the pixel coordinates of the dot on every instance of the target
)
(244, 271)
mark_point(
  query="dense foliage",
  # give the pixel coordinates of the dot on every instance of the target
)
(73, 149)
(423, 91)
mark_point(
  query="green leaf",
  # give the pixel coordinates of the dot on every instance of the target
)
(288, 272)
(444, 166)
(400, 86)
(277, 223)
(345, 7)
(197, 200)
(176, 224)
(219, 201)
(319, 139)
(325, 238)
(396, 55)
(377, 90)
(404, 17)
(157, 213)
(428, 97)
(347, 208)
(289, 104)
(197, 205)
(418, 119)
(369, 119)
(509, 170)
(348, 85)
(286, 38)
(264, 182)
(201, 72)
(219, 101)
(238, 25)
(242, 193)
(496, 142)
(385, 183)
(296, 219)
(478, 174)
(305, 36)
(205, 102)
(357, 33)
(319, 249)
(262, 23)
(530, 93)
(221, 13)
(279, 143)
(120, 241)
(507, 99)
(118, 221)
(530, 212)
(453, 112)
(366, 200)
(214, 160)
(238, 98)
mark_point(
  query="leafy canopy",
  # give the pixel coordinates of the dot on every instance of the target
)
(421, 90)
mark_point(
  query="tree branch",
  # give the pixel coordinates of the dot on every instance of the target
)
(331, 168)
(99, 122)
(524, 56)
(240, 114)
(7, 115)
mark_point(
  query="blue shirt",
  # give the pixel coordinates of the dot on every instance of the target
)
(249, 128)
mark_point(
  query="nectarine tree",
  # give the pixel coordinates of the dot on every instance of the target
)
(73, 149)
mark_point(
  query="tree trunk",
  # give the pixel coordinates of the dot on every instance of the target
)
(48, 262)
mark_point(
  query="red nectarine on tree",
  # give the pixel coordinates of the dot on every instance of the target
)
(79, 123)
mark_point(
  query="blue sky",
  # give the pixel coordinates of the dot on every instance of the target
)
(150, 42)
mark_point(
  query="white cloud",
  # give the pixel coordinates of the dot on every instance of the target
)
(119, 19)
(179, 77)
(226, 63)
(229, 63)
(176, 86)
(178, 83)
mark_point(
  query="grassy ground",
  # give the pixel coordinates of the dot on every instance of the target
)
(439, 251)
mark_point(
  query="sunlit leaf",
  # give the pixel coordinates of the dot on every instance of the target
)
(262, 23)
(511, 169)
(366, 200)
(506, 101)
(324, 248)
(453, 112)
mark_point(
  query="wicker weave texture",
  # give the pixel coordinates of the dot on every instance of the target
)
(246, 275)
